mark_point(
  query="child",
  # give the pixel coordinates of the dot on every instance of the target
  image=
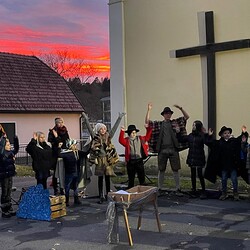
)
(72, 158)
(7, 171)
(136, 149)
(196, 154)
(42, 157)
(102, 152)
(229, 159)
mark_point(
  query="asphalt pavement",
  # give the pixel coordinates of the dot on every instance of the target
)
(187, 223)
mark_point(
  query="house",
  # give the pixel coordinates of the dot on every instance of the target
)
(142, 36)
(32, 95)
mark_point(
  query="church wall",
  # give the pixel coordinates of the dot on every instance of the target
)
(154, 27)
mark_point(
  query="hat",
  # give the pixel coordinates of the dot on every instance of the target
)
(98, 126)
(166, 110)
(223, 129)
(70, 142)
(131, 128)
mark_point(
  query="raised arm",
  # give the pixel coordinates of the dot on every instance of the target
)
(91, 132)
(114, 128)
(185, 114)
(147, 118)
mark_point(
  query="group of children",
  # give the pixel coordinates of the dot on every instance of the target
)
(226, 158)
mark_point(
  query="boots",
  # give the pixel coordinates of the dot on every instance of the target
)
(236, 196)
(223, 196)
(102, 199)
(76, 200)
(67, 201)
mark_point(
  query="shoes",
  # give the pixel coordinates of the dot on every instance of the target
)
(6, 215)
(223, 196)
(77, 201)
(236, 196)
(203, 195)
(161, 192)
(62, 191)
(12, 212)
(178, 193)
(102, 199)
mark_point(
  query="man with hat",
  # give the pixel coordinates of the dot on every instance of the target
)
(165, 143)
(136, 149)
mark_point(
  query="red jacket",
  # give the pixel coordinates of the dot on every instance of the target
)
(144, 142)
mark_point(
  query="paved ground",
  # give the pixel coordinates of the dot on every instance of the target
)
(187, 223)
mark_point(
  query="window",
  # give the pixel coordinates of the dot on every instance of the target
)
(10, 129)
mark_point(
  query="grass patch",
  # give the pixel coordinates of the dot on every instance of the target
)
(24, 171)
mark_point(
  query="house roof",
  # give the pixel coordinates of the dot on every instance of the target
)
(29, 85)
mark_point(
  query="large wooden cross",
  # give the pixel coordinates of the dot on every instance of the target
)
(207, 50)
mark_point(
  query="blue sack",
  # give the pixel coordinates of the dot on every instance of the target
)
(35, 204)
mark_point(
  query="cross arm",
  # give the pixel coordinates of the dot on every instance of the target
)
(210, 48)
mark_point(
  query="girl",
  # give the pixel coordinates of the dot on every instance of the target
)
(42, 157)
(7, 171)
(103, 153)
(196, 154)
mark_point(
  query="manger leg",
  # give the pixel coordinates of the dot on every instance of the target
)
(127, 226)
(139, 219)
(157, 215)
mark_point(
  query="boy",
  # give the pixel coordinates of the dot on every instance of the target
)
(136, 149)
(229, 159)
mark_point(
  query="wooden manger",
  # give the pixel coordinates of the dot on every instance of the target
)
(139, 196)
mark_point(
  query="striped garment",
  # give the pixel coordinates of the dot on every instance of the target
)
(156, 125)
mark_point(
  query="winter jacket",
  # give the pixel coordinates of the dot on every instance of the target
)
(41, 155)
(144, 142)
(72, 161)
(7, 159)
(223, 155)
(196, 153)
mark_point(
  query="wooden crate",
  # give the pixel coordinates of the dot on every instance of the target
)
(134, 193)
(58, 206)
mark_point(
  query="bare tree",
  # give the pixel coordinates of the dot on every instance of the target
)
(68, 65)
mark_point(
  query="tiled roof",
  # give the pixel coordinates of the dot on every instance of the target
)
(29, 85)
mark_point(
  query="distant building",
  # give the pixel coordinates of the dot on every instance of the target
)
(106, 115)
(32, 95)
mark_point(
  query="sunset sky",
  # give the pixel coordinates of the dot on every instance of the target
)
(33, 27)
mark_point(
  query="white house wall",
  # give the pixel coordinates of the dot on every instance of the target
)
(26, 124)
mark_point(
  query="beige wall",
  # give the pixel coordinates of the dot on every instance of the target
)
(26, 124)
(151, 28)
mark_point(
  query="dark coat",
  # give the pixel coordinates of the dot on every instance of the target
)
(7, 159)
(223, 155)
(72, 161)
(63, 136)
(196, 153)
(42, 158)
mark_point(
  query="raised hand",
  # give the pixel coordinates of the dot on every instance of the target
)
(121, 114)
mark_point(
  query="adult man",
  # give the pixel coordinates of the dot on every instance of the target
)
(165, 143)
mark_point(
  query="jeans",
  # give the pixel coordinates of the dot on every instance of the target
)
(71, 182)
(232, 174)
